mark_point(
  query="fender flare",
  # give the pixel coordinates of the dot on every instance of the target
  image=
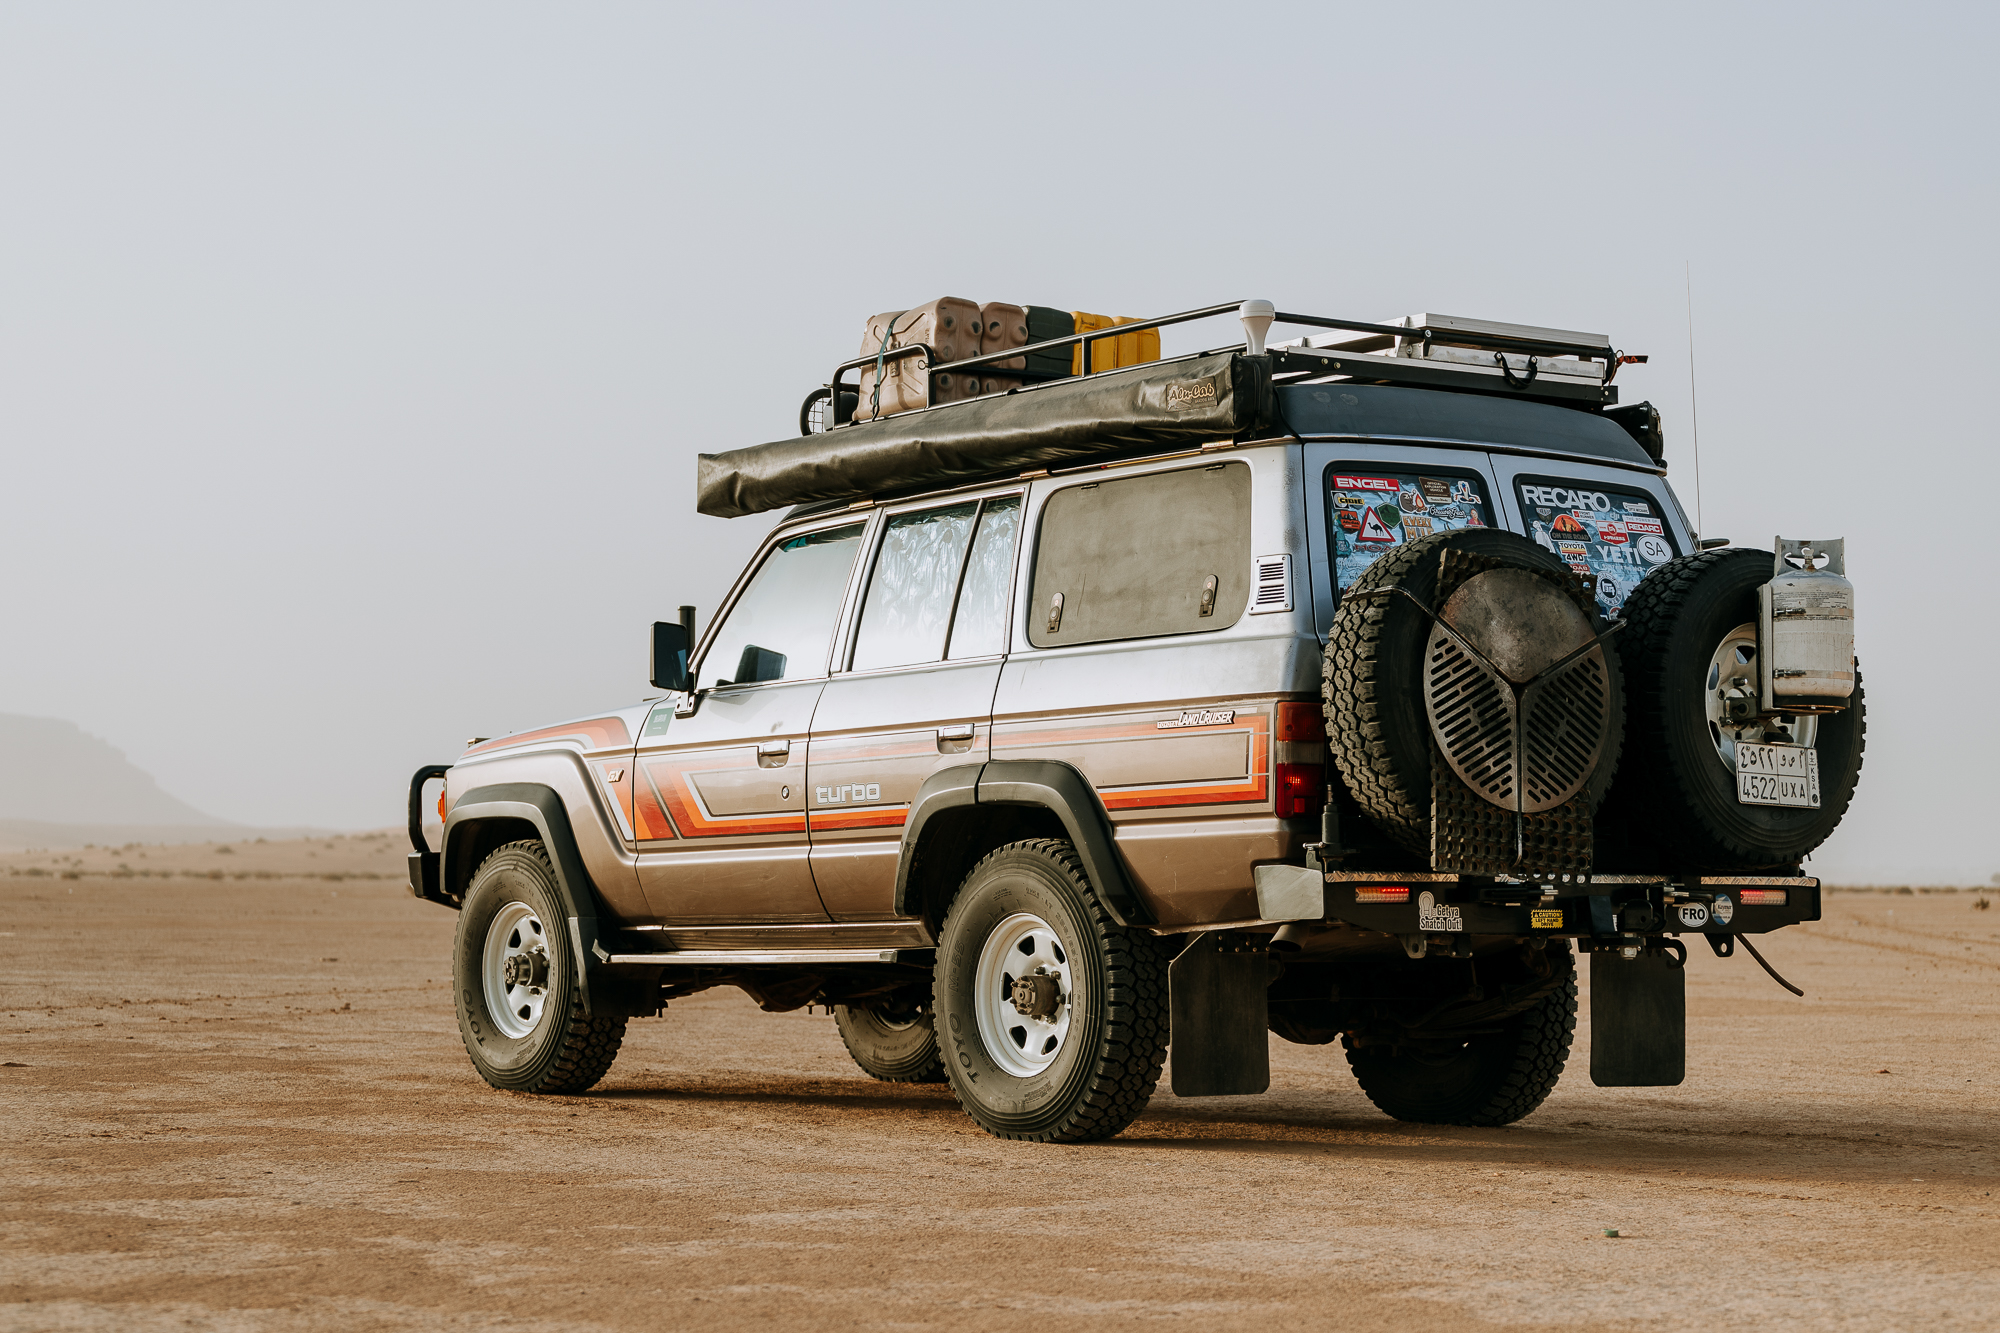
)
(1048, 784)
(540, 806)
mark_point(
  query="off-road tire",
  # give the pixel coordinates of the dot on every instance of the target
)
(1110, 1062)
(1494, 1079)
(1372, 682)
(568, 1051)
(1674, 806)
(888, 1049)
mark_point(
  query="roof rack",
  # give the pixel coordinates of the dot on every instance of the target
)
(1427, 350)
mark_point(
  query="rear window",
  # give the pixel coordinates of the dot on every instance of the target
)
(1166, 553)
(1617, 535)
(1371, 512)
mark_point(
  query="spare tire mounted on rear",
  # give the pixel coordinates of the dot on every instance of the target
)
(1471, 707)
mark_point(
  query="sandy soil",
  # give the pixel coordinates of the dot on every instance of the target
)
(242, 1104)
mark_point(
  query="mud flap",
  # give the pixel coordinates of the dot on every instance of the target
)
(1638, 1021)
(1220, 998)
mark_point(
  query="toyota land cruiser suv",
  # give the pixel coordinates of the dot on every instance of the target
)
(1343, 688)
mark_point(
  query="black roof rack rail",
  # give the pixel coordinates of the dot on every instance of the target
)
(1525, 375)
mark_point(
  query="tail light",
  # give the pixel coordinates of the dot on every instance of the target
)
(1382, 893)
(1301, 789)
(1761, 897)
(1298, 752)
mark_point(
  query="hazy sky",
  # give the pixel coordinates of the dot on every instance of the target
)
(354, 358)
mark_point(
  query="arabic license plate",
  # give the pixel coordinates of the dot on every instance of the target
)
(1777, 775)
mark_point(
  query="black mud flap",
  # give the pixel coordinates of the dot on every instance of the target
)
(1220, 995)
(1638, 1021)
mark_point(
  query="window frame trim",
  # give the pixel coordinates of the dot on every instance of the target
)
(755, 565)
(841, 661)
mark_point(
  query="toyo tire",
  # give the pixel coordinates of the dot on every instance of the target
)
(1675, 805)
(1052, 1017)
(520, 1007)
(1372, 682)
(891, 1044)
(1493, 1078)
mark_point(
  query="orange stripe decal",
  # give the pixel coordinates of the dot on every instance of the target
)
(684, 804)
(600, 733)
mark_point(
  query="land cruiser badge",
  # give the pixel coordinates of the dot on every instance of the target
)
(1199, 717)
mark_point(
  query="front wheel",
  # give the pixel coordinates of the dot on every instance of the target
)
(1052, 1018)
(520, 1004)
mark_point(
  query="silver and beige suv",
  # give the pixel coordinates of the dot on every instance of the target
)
(1341, 688)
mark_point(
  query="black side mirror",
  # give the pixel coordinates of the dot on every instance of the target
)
(671, 644)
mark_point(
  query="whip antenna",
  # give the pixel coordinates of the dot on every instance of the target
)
(1694, 409)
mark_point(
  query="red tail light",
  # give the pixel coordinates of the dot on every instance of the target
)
(1383, 893)
(1301, 789)
(1761, 897)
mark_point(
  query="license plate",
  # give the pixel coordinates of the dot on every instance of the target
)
(1777, 775)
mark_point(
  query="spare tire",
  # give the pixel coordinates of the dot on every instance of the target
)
(1675, 808)
(1387, 685)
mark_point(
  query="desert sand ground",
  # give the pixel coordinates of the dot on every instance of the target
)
(235, 1099)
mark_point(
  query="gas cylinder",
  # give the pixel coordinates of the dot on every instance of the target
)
(1807, 628)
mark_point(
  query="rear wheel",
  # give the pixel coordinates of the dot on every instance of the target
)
(1052, 1017)
(520, 1007)
(890, 1041)
(1490, 1078)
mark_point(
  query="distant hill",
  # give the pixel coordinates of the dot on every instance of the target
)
(50, 772)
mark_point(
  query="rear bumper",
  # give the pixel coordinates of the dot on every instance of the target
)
(1612, 908)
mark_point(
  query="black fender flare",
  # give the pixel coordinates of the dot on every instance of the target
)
(540, 806)
(1048, 784)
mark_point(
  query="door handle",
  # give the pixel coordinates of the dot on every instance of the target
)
(773, 754)
(955, 737)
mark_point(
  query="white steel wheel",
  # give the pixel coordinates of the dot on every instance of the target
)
(514, 969)
(1024, 994)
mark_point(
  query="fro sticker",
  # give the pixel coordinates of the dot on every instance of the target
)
(1724, 908)
(1694, 915)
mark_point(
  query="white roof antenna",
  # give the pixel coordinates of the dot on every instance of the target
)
(1256, 317)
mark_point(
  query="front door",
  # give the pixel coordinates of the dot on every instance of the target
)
(915, 694)
(720, 807)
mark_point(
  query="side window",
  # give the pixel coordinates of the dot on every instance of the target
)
(908, 609)
(1371, 512)
(1166, 553)
(1616, 534)
(942, 574)
(979, 628)
(780, 627)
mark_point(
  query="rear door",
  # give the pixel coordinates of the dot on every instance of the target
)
(912, 691)
(720, 805)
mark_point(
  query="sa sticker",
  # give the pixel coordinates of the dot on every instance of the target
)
(1653, 550)
(1694, 915)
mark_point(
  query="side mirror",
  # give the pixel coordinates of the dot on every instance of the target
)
(671, 644)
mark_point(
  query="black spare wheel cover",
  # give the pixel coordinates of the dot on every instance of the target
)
(1395, 680)
(1675, 804)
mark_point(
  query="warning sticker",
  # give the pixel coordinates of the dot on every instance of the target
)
(1546, 918)
(1373, 529)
